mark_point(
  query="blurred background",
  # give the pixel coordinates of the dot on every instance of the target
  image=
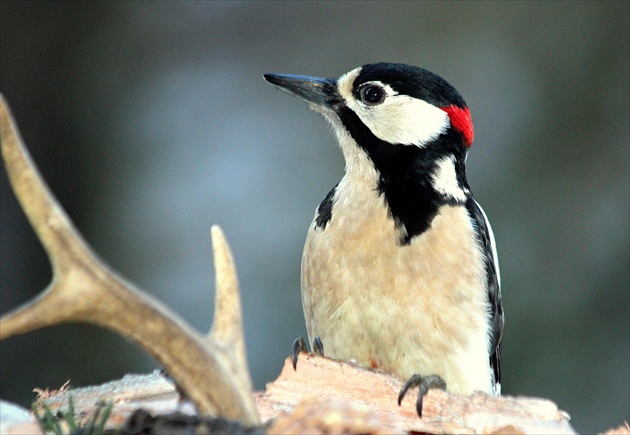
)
(151, 122)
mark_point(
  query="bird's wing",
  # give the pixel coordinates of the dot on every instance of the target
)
(493, 276)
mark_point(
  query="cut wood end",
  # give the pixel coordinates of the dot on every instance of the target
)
(322, 382)
(315, 416)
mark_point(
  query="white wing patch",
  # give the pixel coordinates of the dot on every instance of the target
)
(445, 179)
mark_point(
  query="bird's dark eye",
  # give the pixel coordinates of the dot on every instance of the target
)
(372, 94)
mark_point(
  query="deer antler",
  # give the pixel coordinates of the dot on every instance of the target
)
(212, 371)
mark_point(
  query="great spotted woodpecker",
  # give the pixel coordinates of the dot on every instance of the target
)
(399, 270)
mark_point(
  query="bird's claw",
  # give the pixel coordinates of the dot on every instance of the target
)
(299, 345)
(424, 383)
(318, 346)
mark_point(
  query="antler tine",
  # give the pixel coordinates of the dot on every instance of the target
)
(84, 289)
(227, 326)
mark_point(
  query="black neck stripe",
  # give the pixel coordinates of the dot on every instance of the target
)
(405, 173)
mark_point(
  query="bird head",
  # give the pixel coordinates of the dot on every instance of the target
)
(397, 104)
(402, 128)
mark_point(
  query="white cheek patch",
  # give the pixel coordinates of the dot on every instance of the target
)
(404, 120)
(444, 179)
(400, 119)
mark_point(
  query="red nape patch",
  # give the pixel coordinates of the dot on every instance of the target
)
(374, 363)
(461, 121)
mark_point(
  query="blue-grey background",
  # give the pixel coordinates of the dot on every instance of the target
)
(151, 122)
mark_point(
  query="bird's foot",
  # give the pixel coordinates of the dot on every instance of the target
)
(318, 346)
(424, 383)
(299, 345)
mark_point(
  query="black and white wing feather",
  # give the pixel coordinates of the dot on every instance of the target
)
(493, 277)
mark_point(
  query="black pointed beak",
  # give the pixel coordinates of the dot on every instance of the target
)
(314, 90)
